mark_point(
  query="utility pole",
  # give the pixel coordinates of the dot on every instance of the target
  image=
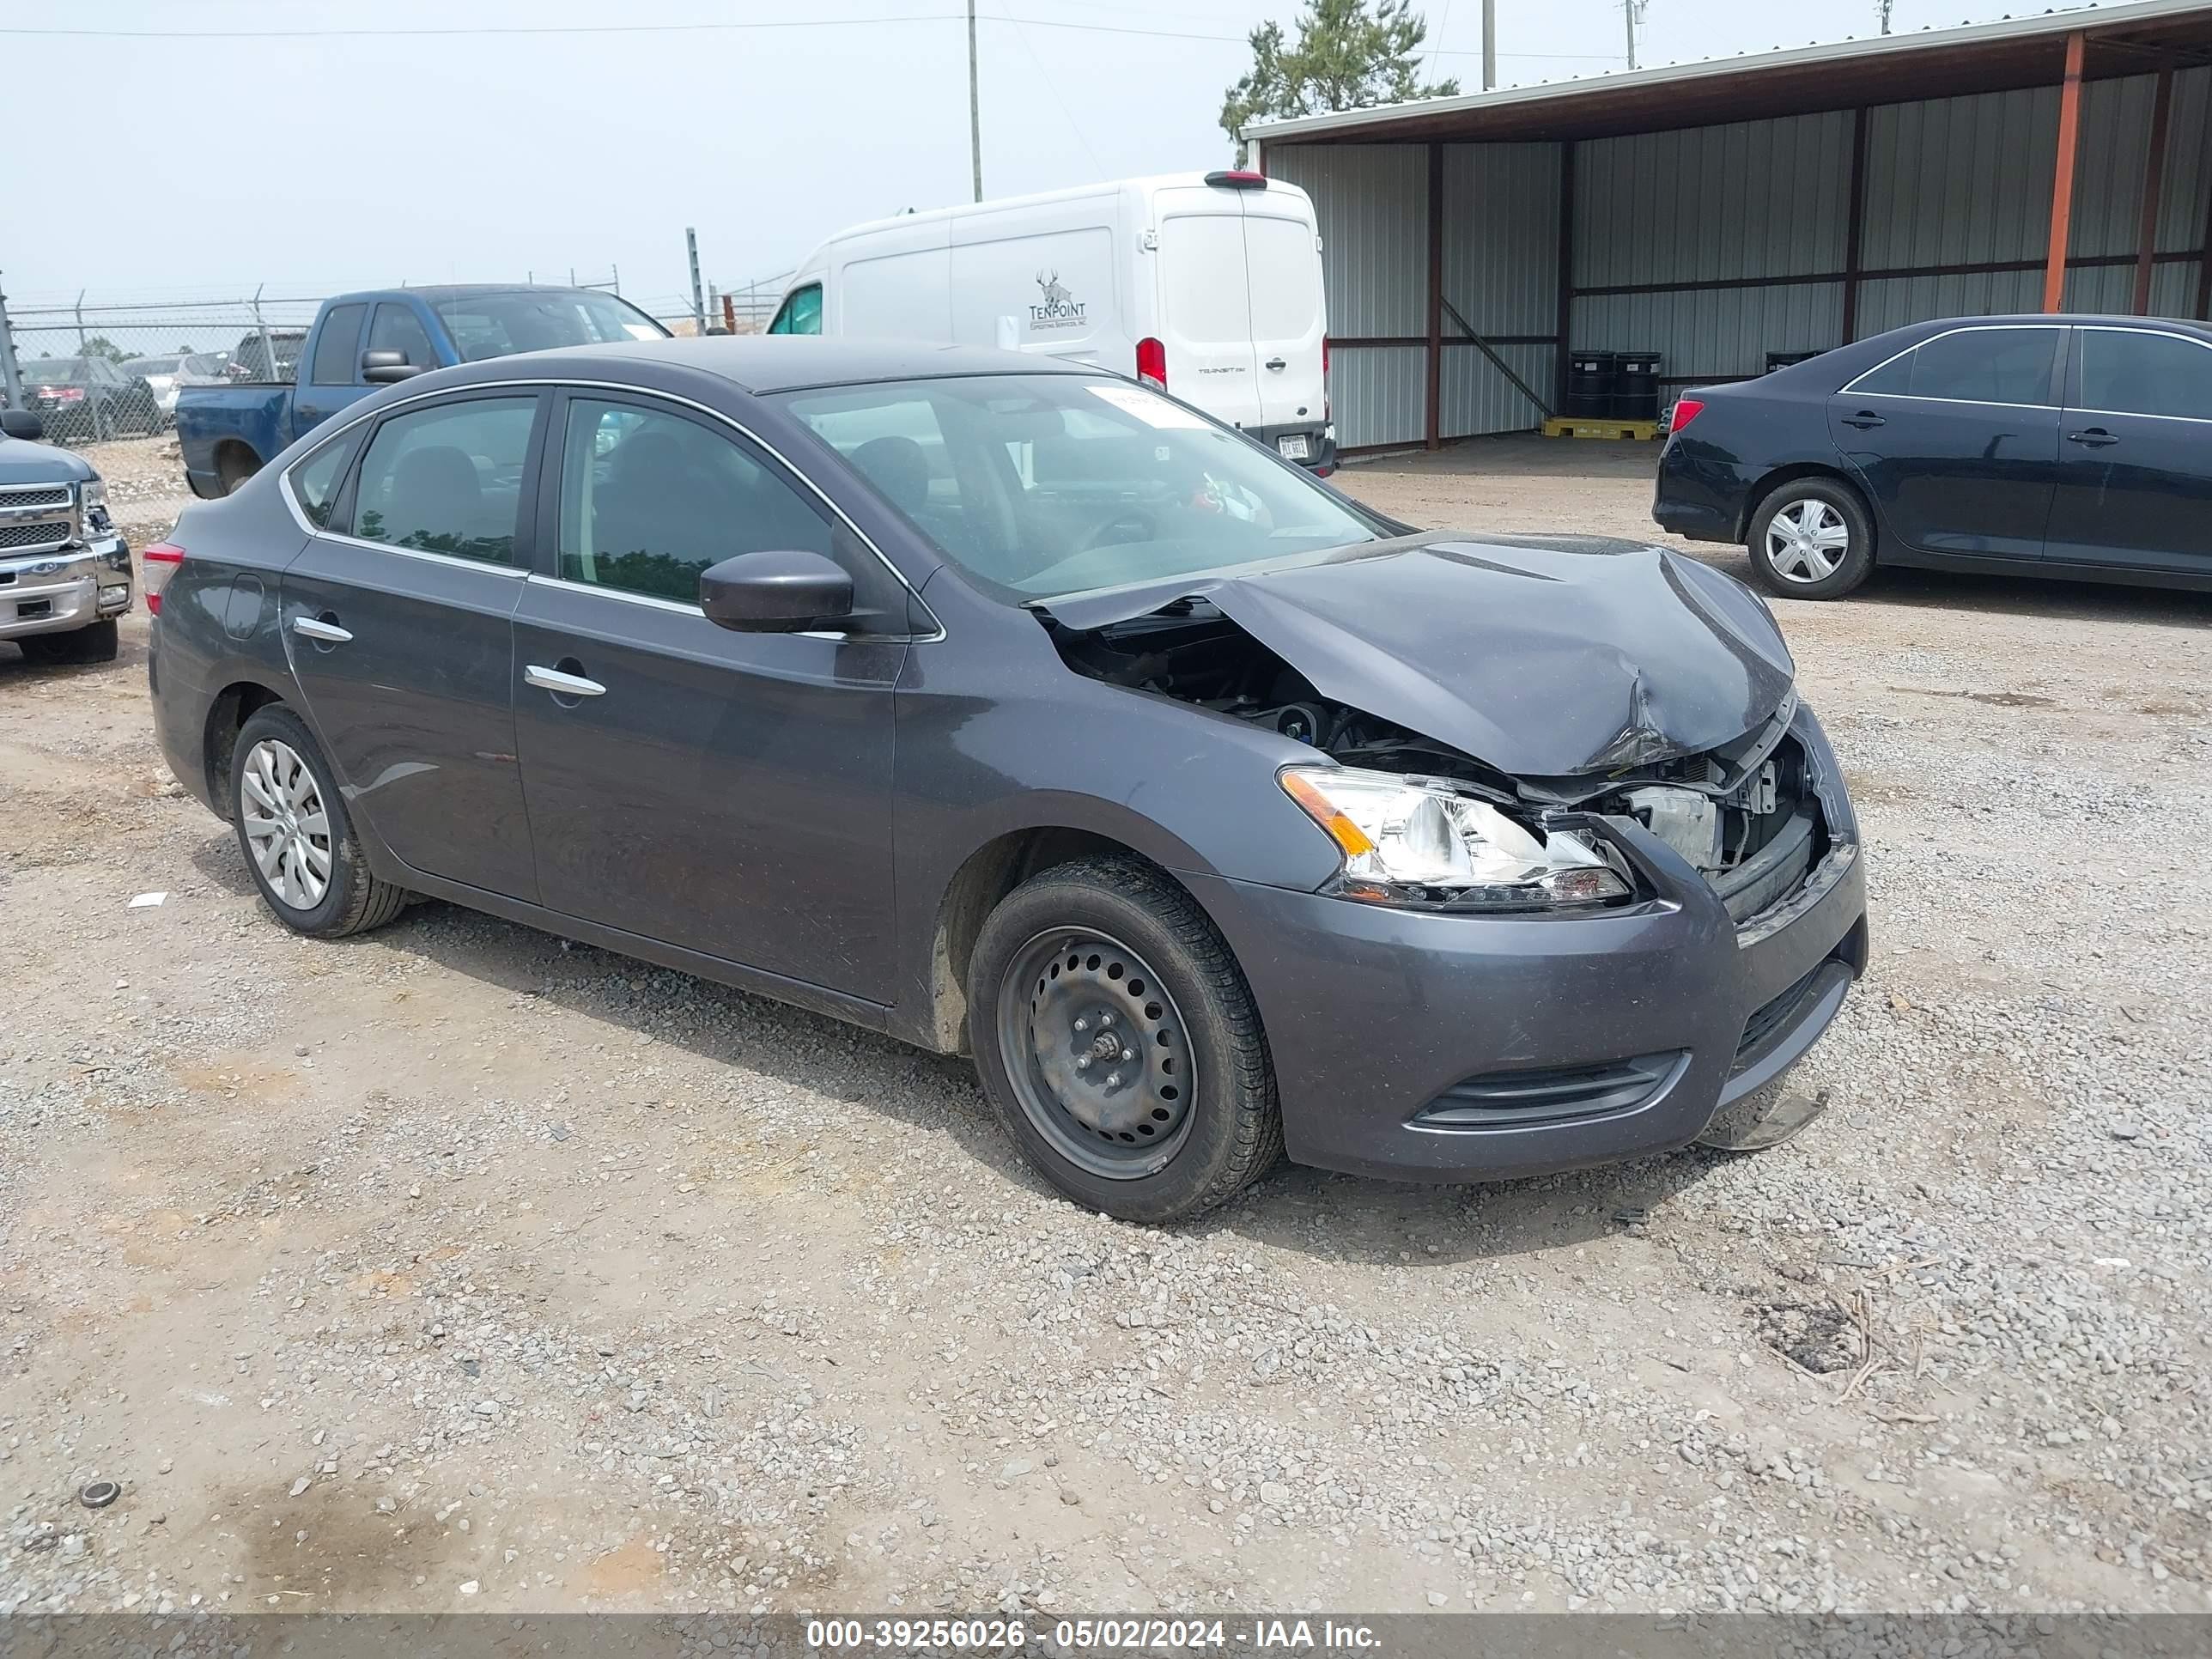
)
(1489, 44)
(11, 379)
(1884, 8)
(974, 108)
(1633, 10)
(698, 302)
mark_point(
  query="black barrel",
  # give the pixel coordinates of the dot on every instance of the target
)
(1783, 358)
(1591, 377)
(1636, 387)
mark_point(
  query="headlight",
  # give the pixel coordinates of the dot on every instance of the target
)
(1415, 840)
(92, 506)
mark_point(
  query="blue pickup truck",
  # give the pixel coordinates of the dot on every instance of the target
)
(361, 341)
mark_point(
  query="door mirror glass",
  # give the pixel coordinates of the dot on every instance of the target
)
(775, 591)
(21, 423)
(384, 368)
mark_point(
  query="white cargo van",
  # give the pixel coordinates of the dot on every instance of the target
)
(1208, 285)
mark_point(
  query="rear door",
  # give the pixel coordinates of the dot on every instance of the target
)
(1957, 439)
(2135, 467)
(1287, 315)
(397, 624)
(1205, 303)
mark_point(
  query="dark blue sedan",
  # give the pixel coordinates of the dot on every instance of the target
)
(2030, 445)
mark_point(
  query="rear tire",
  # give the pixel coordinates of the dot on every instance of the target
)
(96, 642)
(1182, 1114)
(299, 844)
(1811, 539)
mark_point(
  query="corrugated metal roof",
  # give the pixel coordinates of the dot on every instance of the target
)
(1549, 107)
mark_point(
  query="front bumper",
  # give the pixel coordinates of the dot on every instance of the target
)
(61, 591)
(1453, 1048)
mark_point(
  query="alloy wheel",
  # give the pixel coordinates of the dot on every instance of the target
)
(1098, 1053)
(286, 825)
(1807, 541)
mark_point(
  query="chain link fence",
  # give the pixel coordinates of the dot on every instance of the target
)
(92, 371)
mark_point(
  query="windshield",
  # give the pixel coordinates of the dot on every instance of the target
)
(56, 369)
(500, 325)
(1050, 484)
(153, 365)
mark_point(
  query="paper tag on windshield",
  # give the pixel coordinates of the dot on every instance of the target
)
(1151, 410)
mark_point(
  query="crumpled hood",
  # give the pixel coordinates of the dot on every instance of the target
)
(1545, 658)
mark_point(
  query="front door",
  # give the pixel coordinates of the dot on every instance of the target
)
(329, 380)
(2135, 467)
(397, 622)
(727, 792)
(1957, 439)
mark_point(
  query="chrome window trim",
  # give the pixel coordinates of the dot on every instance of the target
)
(1961, 403)
(683, 610)
(454, 559)
(2138, 414)
(492, 387)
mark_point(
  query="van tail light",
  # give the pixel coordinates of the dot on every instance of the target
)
(157, 564)
(1686, 409)
(1152, 363)
(1237, 178)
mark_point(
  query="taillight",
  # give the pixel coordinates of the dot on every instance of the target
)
(65, 394)
(1686, 409)
(1152, 363)
(1237, 178)
(159, 562)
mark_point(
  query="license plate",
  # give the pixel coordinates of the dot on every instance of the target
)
(1293, 449)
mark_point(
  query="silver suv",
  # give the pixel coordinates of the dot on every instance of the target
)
(64, 571)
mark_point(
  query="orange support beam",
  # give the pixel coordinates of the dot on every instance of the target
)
(2061, 179)
(2162, 111)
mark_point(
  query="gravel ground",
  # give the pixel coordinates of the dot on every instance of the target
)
(457, 1267)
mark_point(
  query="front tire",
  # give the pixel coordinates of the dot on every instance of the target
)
(1119, 1042)
(1812, 538)
(299, 842)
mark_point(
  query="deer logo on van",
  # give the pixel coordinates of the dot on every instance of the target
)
(1060, 308)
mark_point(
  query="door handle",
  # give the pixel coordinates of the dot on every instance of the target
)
(314, 628)
(2095, 438)
(1866, 420)
(560, 684)
(1277, 363)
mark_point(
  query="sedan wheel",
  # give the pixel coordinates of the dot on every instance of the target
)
(1811, 539)
(286, 827)
(293, 829)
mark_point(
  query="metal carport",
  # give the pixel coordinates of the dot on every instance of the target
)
(1787, 201)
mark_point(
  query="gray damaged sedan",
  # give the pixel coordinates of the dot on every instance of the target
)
(1019, 710)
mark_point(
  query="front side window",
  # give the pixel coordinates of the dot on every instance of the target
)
(649, 499)
(334, 362)
(536, 319)
(1986, 366)
(800, 313)
(2132, 371)
(397, 328)
(315, 480)
(447, 479)
(1050, 484)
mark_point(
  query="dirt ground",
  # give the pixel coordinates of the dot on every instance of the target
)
(454, 1267)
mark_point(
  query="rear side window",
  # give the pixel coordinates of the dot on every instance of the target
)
(334, 359)
(801, 312)
(447, 479)
(315, 480)
(1987, 365)
(649, 499)
(397, 328)
(2129, 372)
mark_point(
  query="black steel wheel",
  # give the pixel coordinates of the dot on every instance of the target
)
(1118, 1040)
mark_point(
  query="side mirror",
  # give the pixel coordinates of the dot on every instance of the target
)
(384, 368)
(22, 423)
(775, 593)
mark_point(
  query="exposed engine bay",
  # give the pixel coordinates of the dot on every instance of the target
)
(1744, 814)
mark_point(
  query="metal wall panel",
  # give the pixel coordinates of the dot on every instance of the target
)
(1501, 237)
(1379, 394)
(1753, 198)
(1712, 333)
(2189, 146)
(1897, 301)
(1372, 202)
(1959, 181)
(1478, 400)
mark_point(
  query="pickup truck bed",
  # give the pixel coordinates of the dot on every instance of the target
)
(227, 432)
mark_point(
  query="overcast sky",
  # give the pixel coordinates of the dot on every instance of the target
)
(314, 163)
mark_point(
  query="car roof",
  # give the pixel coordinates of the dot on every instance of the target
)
(434, 293)
(786, 362)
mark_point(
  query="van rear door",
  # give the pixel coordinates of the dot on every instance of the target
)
(1287, 321)
(1205, 300)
